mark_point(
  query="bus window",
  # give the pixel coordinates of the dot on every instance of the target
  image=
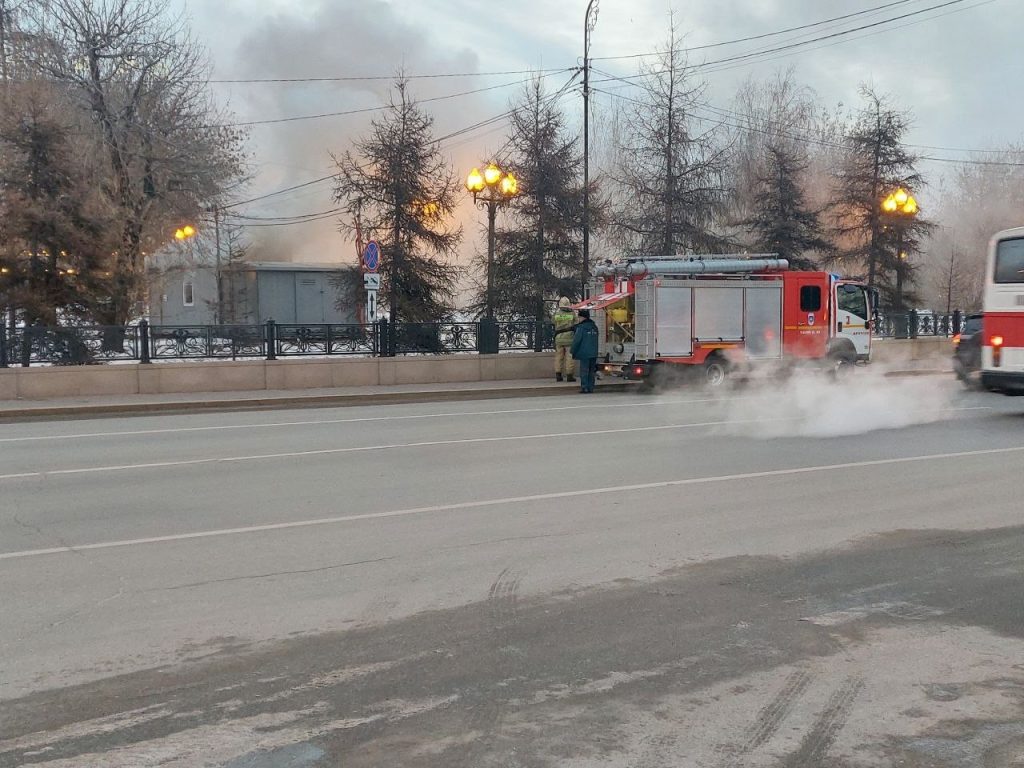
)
(1009, 266)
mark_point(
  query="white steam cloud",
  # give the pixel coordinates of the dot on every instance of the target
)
(812, 404)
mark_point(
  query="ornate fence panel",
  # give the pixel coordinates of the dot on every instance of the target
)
(215, 342)
(81, 345)
(70, 345)
(435, 338)
(325, 339)
(914, 324)
(525, 335)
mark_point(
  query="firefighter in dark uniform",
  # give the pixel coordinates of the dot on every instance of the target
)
(584, 349)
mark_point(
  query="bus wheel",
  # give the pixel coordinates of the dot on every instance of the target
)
(716, 371)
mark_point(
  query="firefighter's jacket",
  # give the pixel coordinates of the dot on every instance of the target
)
(564, 321)
(584, 342)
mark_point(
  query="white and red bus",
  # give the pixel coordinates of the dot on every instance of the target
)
(1002, 352)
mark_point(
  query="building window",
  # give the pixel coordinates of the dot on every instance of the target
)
(188, 291)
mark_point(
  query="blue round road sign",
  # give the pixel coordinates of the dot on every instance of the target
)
(371, 256)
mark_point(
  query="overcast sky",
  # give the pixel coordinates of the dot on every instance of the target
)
(958, 68)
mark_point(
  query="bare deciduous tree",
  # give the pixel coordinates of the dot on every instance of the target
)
(957, 283)
(142, 79)
(977, 200)
(777, 112)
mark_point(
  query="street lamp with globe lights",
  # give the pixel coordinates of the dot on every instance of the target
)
(901, 207)
(491, 189)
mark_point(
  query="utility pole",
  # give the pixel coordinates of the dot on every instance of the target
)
(3, 44)
(588, 27)
(219, 317)
(949, 281)
(900, 256)
(8, 312)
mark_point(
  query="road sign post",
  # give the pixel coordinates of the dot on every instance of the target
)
(371, 278)
(371, 306)
(371, 256)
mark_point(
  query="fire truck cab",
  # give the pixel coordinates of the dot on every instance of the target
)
(716, 315)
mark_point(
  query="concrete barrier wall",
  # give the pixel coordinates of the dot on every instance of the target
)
(255, 375)
(897, 351)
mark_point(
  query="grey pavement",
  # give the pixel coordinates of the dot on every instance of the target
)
(802, 575)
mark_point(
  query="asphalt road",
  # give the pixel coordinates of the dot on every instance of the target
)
(815, 575)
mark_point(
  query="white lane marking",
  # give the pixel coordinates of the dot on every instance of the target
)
(313, 422)
(483, 503)
(382, 447)
(394, 446)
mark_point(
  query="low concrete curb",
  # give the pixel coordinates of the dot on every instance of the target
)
(921, 372)
(30, 412)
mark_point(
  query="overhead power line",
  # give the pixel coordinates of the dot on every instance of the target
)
(246, 217)
(724, 121)
(763, 57)
(964, 150)
(444, 75)
(296, 118)
(279, 192)
(962, 161)
(766, 52)
(319, 216)
(751, 38)
(371, 78)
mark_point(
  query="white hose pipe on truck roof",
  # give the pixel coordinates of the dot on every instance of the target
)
(704, 266)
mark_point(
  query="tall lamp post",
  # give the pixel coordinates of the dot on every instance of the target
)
(491, 189)
(588, 28)
(902, 207)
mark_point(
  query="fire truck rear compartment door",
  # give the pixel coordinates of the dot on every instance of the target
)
(763, 323)
(675, 337)
(718, 313)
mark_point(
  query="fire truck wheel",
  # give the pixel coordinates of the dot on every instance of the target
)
(656, 379)
(842, 365)
(716, 371)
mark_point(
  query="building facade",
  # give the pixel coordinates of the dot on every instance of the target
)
(244, 293)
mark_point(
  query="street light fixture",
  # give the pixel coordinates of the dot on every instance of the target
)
(184, 233)
(490, 189)
(902, 207)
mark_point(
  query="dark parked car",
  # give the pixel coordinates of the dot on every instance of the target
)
(967, 351)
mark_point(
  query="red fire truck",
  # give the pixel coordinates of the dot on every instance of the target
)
(663, 317)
